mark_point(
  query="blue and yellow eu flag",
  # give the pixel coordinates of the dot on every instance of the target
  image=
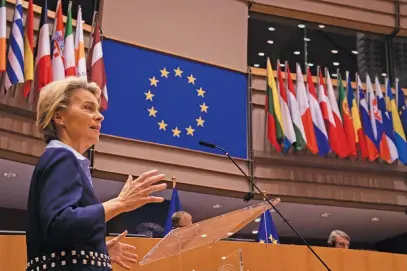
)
(170, 100)
(175, 206)
(267, 230)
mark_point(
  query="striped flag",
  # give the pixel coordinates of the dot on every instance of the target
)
(399, 133)
(3, 35)
(69, 49)
(376, 118)
(340, 147)
(80, 46)
(58, 70)
(96, 66)
(300, 137)
(388, 148)
(43, 69)
(276, 105)
(357, 124)
(346, 115)
(288, 129)
(317, 119)
(29, 50)
(270, 109)
(367, 124)
(304, 107)
(326, 111)
(15, 54)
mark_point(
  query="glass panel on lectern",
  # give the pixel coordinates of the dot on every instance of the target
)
(205, 232)
(231, 262)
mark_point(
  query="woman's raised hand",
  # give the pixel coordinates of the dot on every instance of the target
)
(136, 193)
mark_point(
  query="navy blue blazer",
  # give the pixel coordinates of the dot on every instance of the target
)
(66, 227)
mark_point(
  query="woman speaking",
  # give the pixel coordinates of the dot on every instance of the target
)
(66, 223)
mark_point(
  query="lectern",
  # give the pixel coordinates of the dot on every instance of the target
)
(181, 248)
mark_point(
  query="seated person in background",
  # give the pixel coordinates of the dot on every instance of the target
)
(339, 239)
(181, 219)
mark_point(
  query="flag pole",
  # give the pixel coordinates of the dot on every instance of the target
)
(264, 217)
(386, 81)
(357, 89)
(94, 18)
(92, 148)
(293, 148)
(59, 3)
(277, 81)
(318, 70)
(337, 86)
(266, 109)
(396, 80)
(174, 182)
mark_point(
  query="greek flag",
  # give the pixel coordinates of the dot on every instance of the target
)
(15, 54)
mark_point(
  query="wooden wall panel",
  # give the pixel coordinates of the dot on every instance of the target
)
(369, 15)
(255, 257)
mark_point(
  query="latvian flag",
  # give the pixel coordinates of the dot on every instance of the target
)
(96, 65)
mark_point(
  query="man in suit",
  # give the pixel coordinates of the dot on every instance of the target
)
(339, 239)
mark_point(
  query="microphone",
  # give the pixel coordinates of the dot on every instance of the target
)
(213, 146)
(249, 195)
(206, 144)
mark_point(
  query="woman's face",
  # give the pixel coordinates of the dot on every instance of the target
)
(81, 122)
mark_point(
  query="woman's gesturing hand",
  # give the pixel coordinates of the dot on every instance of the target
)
(136, 193)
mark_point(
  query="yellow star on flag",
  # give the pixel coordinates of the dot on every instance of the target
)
(149, 95)
(164, 73)
(163, 125)
(176, 132)
(190, 131)
(153, 81)
(152, 112)
(204, 108)
(274, 241)
(200, 121)
(178, 72)
(201, 92)
(191, 79)
(261, 242)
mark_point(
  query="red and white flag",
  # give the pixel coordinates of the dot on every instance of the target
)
(43, 69)
(96, 66)
(340, 147)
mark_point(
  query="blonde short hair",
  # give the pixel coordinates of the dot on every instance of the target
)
(55, 97)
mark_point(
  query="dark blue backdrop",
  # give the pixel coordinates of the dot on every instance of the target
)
(137, 103)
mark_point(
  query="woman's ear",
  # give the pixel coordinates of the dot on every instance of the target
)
(58, 119)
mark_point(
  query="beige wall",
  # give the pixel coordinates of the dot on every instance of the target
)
(211, 31)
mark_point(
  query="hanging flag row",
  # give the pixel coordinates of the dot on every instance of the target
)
(22, 66)
(360, 123)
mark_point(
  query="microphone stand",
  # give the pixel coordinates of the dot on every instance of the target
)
(275, 209)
